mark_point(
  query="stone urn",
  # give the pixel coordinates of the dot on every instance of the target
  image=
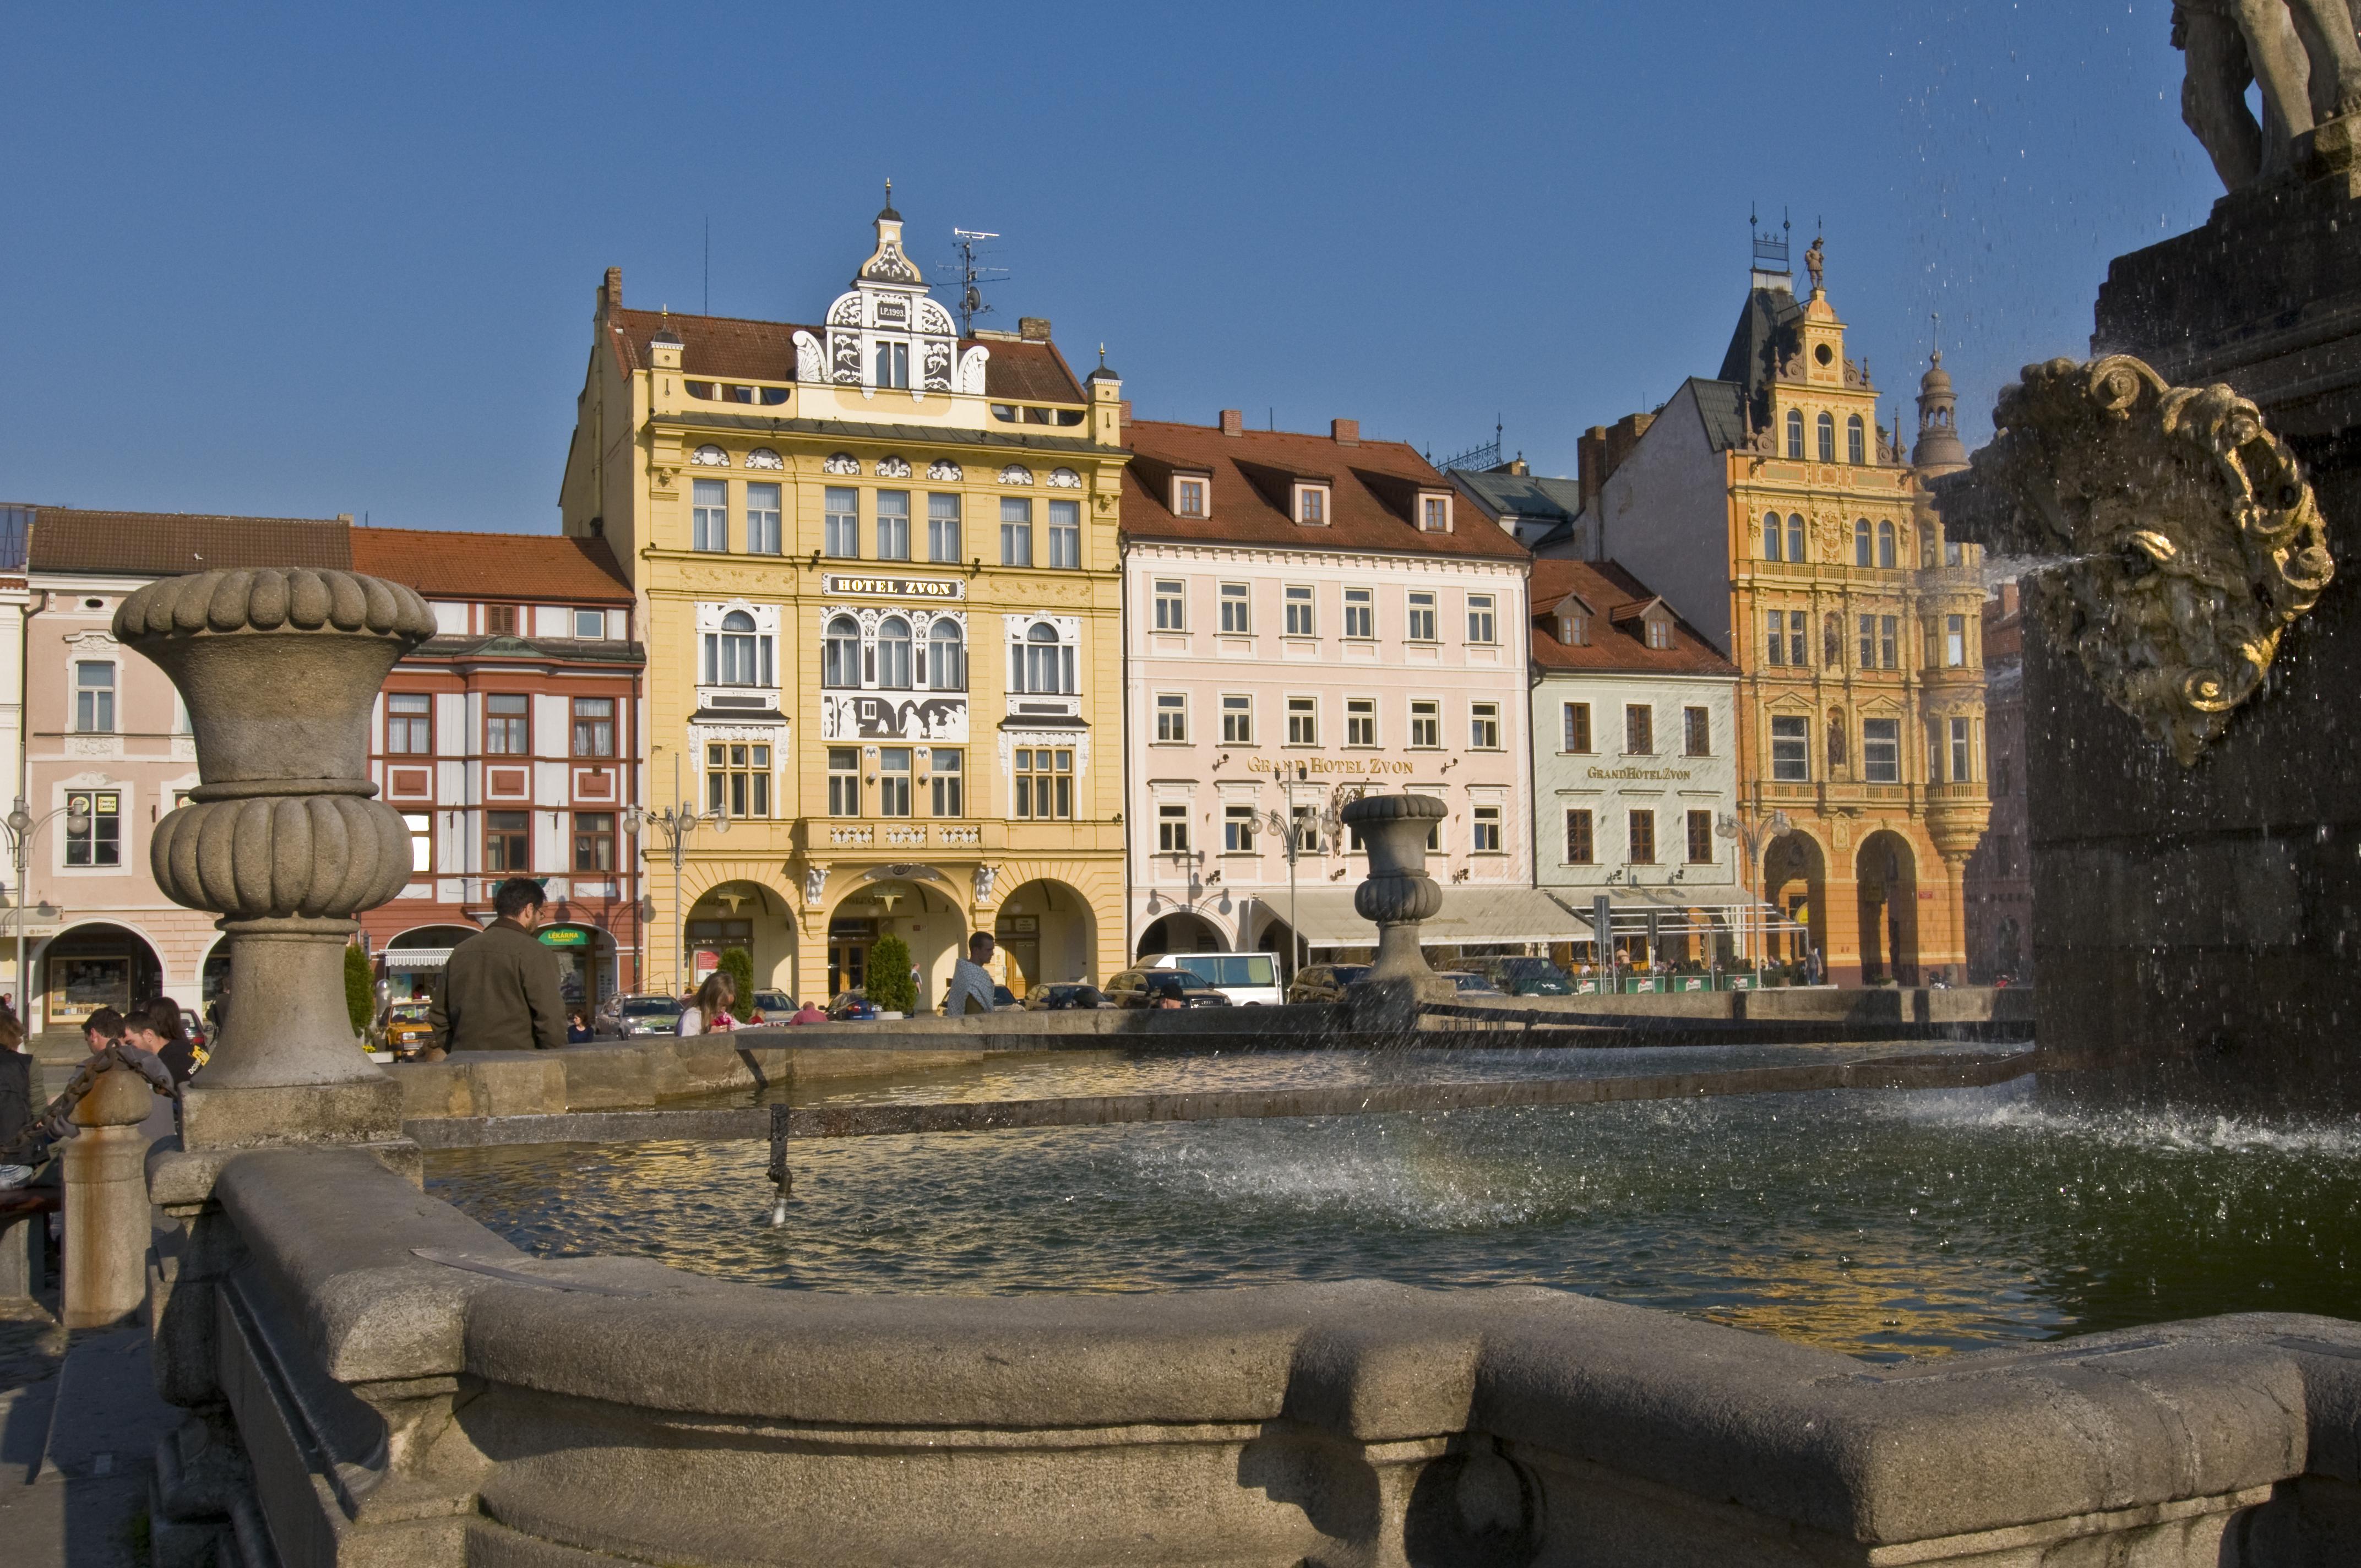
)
(279, 668)
(1397, 897)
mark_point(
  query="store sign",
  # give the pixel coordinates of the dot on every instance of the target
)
(896, 587)
(1640, 773)
(565, 937)
(1317, 767)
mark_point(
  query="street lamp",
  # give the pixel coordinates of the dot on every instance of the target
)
(1290, 836)
(676, 823)
(21, 825)
(1752, 837)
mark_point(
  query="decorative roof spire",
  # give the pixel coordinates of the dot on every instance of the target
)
(887, 210)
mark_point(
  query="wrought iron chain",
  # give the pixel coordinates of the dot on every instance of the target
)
(57, 1123)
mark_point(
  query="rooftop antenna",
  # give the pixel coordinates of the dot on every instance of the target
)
(709, 264)
(1935, 335)
(972, 278)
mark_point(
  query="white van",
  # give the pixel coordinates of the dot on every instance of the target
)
(1249, 980)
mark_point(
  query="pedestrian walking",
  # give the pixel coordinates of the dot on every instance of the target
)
(499, 991)
(970, 981)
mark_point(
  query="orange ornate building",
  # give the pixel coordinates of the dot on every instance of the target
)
(1779, 518)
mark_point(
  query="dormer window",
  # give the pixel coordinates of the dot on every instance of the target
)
(1311, 505)
(1657, 630)
(1573, 630)
(1189, 498)
(1435, 514)
(894, 365)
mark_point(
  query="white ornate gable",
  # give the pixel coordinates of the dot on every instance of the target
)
(887, 304)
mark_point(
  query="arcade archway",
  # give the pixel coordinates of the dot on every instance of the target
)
(1794, 882)
(1886, 873)
(1047, 934)
(1180, 932)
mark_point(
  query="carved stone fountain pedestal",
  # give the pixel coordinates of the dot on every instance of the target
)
(1397, 897)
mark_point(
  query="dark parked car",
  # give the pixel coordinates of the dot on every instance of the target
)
(1528, 977)
(852, 1006)
(1471, 983)
(1156, 987)
(1323, 982)
(1064, 998)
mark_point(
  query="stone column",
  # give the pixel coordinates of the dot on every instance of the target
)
(1397, 897)
(106, 1202)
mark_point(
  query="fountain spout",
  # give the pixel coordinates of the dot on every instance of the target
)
(1398, 898)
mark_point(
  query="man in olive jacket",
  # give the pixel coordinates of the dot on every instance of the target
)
(499, 991)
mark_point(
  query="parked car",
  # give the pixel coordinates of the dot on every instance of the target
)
(1155, 987)
(1470, 984)
(197, 1032)
(1527, 977)
(852, 1007)
(1004, 1000)
(1249, 980)
(1064, 998)
(1323, 982)
(773, 1007)
(638, 1015)
(404, 1032)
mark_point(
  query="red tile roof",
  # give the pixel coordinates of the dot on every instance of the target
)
(557, 568)
(174, 543)
(1617, 639)
(725, 346)
(1373, 494)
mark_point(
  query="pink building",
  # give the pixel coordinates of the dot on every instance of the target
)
(1306, 617)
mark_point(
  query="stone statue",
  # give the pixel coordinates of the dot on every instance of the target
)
(814, 882)
(2303, 53)
(984, 875)
(1814, 259)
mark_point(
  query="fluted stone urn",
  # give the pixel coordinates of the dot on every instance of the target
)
(1397, 897)
(284, 839)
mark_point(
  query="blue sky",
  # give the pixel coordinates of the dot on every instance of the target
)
(337, 258)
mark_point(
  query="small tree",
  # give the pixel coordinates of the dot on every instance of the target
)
(739, 967)
(360, 988)
(889, 977)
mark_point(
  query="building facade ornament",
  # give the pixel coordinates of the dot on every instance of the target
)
(763, 457)
(892, 467)
(1016, 474)
(944, 471)
(815, 884)
(709, 456)
(841, 463)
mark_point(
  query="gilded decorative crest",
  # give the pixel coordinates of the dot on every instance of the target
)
(2191, 539)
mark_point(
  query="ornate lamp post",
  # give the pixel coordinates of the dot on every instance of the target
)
(20, 825)
(676, 823)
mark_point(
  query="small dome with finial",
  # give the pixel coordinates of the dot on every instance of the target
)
(887, 210)
(1937, 381)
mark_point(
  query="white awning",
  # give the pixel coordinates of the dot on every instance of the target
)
(417, 957)
(1470, 915)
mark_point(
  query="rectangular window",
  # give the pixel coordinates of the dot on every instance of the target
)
(1774, 642)
(1435, 514)
(1171, 605)
(1305, 821)
(1869, 642)
(1934, 750)
(942, 527)
(594, 840)
(422, 841)
(1237, 829)
(1798, 647)
(1575, 727)
(1426, 726)
(1237, 720)
(507, 725)
(1480, 619)
(1644, 839)
(590, 625)
(1963, 763)
(99, 840)
(1421, 617)
(1171, 717)
(763, 520)
(1173, 829)
(408, 724)
(1311, 504)
(1889, 641)
(594, 726)
(1929, 640)
(1696, 732)
(1580, 849)
(840, 522)
(1235, 607)
(1485, 831)
(1360, 721)
(1189, 498)
(1361, 612)
(894, 365)
(1955, 640)
(94, 698)
(500, 620)
(1016, 531)
(1045, 783)
(1066, 535)
(1953, 553)
(1700, 838)
(950, 770)
(1881, 751)
(1303, 721)
(844, 781)
(1791, 749)
(1484, 726)
(892, 525)
(708, 514)
(508, 841)
(738, 778)
(1639, 729)
(894, 780)
(1298, 603)
(1660, 632)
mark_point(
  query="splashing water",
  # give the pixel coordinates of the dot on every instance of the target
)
(1999, 569)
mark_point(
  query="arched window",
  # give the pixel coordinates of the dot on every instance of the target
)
(946, 657)
(839, 654)
(1856, 444)
(1885, 556)
(1040, 664)
(1828, 424)
(1861, 551)
(1769, 536)
(1796, 536)
(893, 654)
(735, 656)
(1794, 433)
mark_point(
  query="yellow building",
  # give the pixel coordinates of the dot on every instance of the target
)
(1772, 510)
(878, 565)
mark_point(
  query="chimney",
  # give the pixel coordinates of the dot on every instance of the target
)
(1033, 329)
(611, 294)
(1127, 411)
(1589, 464)
(1345, 432)
(1233, 422)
